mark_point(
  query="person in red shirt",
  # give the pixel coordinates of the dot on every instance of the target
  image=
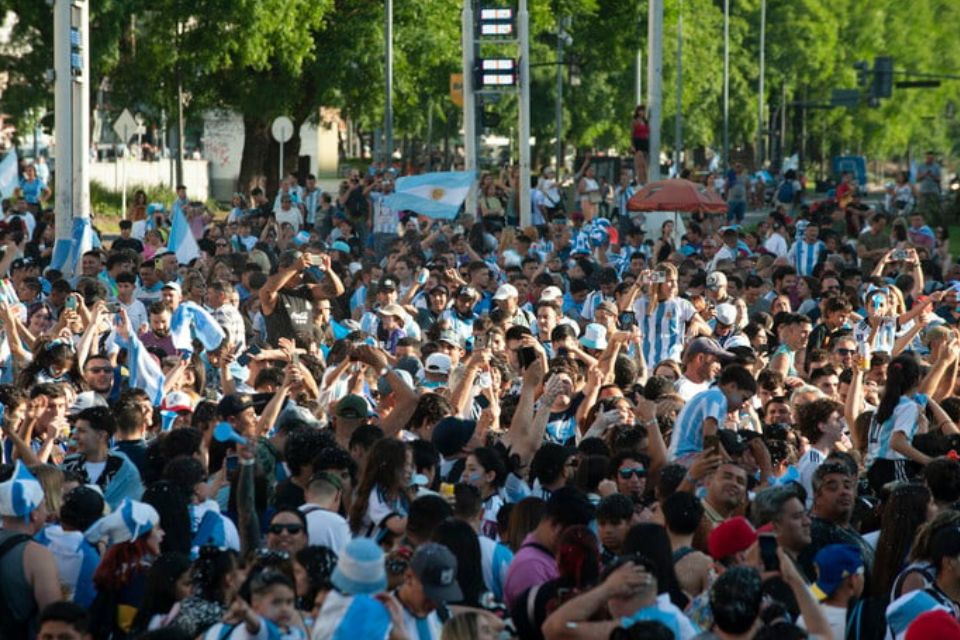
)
(641, 143)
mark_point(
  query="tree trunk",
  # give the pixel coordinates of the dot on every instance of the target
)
(259, 165)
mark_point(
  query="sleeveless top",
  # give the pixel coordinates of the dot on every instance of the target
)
(17, 590)
(292, 315)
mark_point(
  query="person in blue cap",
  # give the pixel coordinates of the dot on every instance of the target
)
(840, 581)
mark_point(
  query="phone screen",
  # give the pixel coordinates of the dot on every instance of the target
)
(526, 355)
(768, 552)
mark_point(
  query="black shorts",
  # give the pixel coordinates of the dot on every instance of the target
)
(641, 144)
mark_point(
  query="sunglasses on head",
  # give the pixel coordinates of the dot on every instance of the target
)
(639, 472)
(292, 529)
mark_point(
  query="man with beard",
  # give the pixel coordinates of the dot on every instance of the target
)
(726, 492)
(287, 302)
(834, 496)
(701, 365)
(158, 337)
(98, 374)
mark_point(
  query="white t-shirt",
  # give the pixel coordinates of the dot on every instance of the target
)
(687, 388)
(137, 313)
(776, 244)
(836, 618)
(292, 216)
(326, 528)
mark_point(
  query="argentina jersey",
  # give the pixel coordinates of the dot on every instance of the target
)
(592, 301)
(688, 430)
(904, 418)
(884, 340)
(664, 329)
(806, 256)
(463, 327)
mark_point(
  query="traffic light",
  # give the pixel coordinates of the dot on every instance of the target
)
(882, 77)
(863, 73)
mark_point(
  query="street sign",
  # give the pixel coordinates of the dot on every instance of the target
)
(125, 126)
(456, 89)
(282, 129)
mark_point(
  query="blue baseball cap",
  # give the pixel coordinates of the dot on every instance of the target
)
(835, 563)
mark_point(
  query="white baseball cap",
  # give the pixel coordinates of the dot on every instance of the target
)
(505, 291)
(438, 363)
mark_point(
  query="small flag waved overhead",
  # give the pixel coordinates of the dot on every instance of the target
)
(9, 175)
(436, 195)
(181, 239)
(191, 316)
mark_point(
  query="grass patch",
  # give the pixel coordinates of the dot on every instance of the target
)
(106, 203)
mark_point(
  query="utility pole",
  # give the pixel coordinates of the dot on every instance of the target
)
(655, 84)
(388, 108)
(469, 103)
(523, 29)
(763, 59)
(638, 80)
(562, 25)
(678, 117)
(71, 47)
(180, 126)
(726, 83)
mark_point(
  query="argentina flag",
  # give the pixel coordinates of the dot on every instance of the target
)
(181, 239)
(67, 252)
(436, 195)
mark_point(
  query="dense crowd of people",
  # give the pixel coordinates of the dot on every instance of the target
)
(343, 420)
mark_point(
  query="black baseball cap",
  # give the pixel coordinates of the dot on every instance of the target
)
(233, 404)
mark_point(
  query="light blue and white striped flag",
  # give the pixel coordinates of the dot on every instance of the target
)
(190, 315)
(9, 174)
(181, 239)
(67, 253)
(436, 195)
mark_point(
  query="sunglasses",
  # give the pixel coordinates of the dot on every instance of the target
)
(292, 529)
(222, 244)
(846, 352)
(639, 472)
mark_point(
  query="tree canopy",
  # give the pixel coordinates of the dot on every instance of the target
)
(265, 58)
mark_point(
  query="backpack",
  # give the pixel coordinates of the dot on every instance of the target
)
(786, 191)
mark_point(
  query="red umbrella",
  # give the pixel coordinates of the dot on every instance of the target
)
(677, 195)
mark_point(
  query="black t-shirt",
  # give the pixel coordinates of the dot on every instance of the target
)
(288, 495)
(136, 450)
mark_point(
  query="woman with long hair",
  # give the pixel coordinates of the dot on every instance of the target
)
(524, 517)
(381, 502)
(54, 361)
(664, 317)
(463, 542)
(890, 452)
(908, 507)
(920, 571)
(652, 541)
(640, 139)
(134, 535)
(168, 582)
(216, 576)
(486, 470)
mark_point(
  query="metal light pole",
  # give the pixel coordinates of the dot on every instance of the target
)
(562, 25)
(654, 85)
(763, 60)
(678, 117)
(469, 102)
(726, 82)
(388, 105)
(71, 115)
(523, 24)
